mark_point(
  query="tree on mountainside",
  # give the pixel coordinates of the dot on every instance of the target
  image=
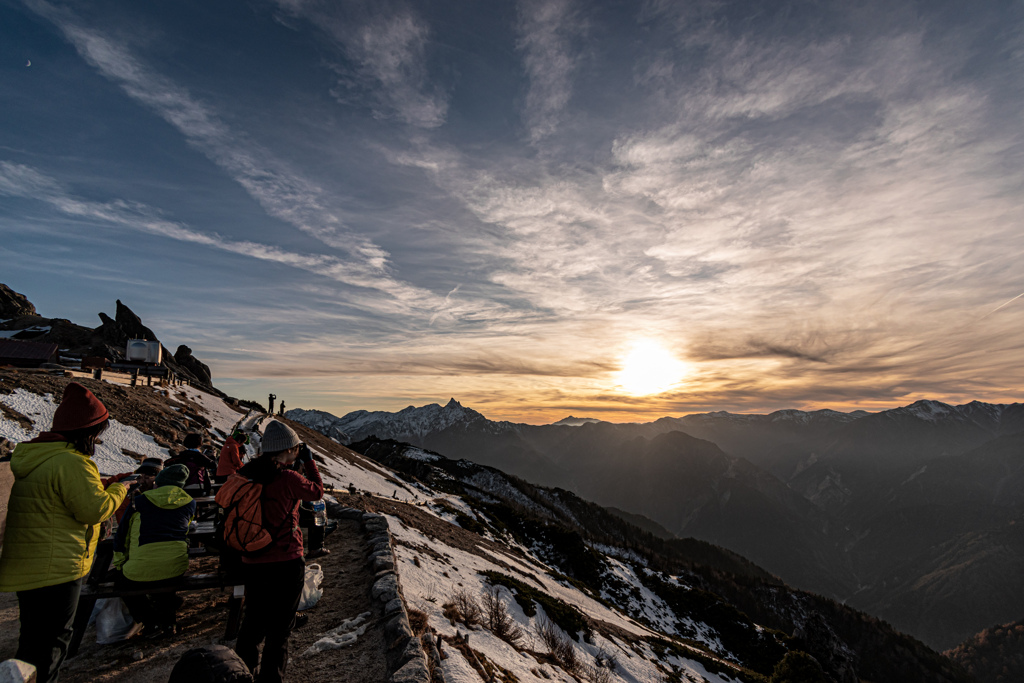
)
(798, 667)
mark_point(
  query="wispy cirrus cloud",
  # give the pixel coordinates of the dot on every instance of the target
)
(778, 209)
(387, 47)
(816, 203)
(283, 193)
(18, 180)
(547, 29)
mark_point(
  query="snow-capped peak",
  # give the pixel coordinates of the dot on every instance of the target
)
(410, 422)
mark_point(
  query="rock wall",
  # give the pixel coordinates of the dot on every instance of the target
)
(407, 662)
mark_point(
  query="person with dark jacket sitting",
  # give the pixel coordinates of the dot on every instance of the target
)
(151, 549)
(274, 578)
(197, 463)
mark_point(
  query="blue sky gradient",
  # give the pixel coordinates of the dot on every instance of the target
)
(376, 204)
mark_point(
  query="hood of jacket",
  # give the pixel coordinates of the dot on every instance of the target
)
(168, 497)
(28, 456)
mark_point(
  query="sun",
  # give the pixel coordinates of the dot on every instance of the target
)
(649, 368)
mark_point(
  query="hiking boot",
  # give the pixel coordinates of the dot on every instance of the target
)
(319, 552)
(300, 620)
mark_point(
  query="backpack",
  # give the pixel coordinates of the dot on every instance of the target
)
(241, 518)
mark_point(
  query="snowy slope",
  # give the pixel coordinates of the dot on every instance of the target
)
(408, 423)
(626, 621)
(109, 457)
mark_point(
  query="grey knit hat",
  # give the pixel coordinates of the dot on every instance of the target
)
(278, 437)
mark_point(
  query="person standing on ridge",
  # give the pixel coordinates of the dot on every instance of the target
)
(280, 411)
(53, 522)
(270, 402)
(274, 578)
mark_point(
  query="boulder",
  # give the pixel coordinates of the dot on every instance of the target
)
(17, 671)
(13, 304)
(183, 357)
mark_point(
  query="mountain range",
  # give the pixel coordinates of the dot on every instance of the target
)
(513, 581)
(914, 514)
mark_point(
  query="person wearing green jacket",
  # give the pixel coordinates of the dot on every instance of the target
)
(53, 522)
(151, 550)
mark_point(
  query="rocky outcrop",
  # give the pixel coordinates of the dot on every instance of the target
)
(124, 326)
(115, 333)
(200, 370)
(13, 304)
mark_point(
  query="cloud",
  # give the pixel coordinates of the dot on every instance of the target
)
(783, 212)
(18, 180)
(388, 45)
(547, 29)
(818, 205)
(281, 192)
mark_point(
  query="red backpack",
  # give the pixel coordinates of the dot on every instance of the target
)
(241, 520)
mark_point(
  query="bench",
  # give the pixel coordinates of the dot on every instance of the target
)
(91, 592)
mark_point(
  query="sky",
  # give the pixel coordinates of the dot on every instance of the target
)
(540, 208)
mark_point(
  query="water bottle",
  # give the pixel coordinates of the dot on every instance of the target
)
(320, 512)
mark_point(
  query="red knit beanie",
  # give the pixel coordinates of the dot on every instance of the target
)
(77, 410)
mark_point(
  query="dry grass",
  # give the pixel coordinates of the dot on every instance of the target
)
(418, 621)
(463, 606)
(498, 621)
(560, 646)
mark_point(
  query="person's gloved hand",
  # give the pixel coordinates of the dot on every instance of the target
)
(305, 455)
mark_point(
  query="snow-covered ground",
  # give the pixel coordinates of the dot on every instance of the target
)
(110, 457)
(431, 577)
(222, 417)
(431, 571)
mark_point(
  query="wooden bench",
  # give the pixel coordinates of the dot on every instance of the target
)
(191, 582)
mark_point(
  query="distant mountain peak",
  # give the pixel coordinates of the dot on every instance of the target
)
(571, 421)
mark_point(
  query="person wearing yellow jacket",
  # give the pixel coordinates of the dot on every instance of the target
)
(53, 523)
(151, 549)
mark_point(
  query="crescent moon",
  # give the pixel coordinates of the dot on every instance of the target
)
(28, 62)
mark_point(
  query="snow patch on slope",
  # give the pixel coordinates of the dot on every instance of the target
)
(110, 457)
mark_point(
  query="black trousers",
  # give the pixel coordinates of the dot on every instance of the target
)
(272, 592)
(152, 609)
(315, 537)
(47, 620)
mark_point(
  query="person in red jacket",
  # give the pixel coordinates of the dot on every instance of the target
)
(231, 454)
(274, 578)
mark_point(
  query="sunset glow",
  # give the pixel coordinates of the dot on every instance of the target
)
(370, 206)
(648, 368)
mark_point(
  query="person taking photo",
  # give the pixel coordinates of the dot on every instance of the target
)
(274, 577)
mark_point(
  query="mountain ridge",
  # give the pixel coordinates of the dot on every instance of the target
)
(809, 495)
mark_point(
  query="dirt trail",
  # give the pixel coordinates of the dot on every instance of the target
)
(201, 621)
